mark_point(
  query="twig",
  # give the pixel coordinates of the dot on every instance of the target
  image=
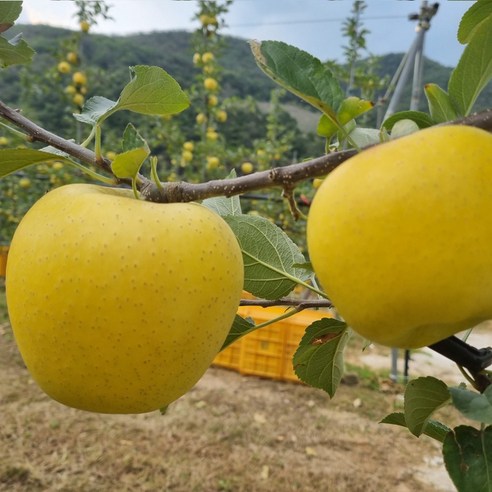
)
(302, 304)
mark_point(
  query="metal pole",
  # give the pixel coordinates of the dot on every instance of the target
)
(412, 59)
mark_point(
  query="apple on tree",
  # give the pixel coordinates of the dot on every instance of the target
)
(401, 236)
(120, 305)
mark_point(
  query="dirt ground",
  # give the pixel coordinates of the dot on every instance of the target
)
(230, 433)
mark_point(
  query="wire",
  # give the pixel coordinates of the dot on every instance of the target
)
(312, 21)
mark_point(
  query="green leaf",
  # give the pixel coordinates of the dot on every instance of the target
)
(403, 127)
(152, 91)
(240, 327)
(364, 137)
(472, 19)
(434, 429)
(468, 458)
(9, 13)
(269, 257)
(472, 405)
(300, 73)
(223, 205)
(135, 151)
(422, 119)
(132, 139)
(94, 109)
(440, 106)
(474, 69)
(318, 360)
(326, 127)
(351, 108)
(423, 396)
(12, 160)
(15, 52)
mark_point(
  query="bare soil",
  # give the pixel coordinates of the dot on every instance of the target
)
(230, 433)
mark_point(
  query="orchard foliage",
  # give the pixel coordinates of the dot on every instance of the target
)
(203, 167)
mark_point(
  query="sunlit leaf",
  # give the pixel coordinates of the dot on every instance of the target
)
(152, 91)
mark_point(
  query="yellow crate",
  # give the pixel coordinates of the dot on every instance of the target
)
(268, 352)
(4, 251)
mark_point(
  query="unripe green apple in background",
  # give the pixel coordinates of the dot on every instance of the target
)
(400, 236)
(120, 305)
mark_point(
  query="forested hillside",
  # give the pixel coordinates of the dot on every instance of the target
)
(108, 59)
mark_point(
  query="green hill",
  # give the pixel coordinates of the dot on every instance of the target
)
(108, 57)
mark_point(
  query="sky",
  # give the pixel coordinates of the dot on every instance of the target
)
(311, 25)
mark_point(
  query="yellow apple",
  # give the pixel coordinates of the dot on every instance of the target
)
(210, 84)
(247, 167)
(64, 67)
(400, 236)
(207, 57)
(84, 26)
(119, 305)
(78, 100)
(79, 78)
(72, 57)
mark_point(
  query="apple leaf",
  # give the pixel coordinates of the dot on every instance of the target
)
(350, 108)
(422, 119)
(12, 160)
(363, 137)
(403, 127)
(318, 360)
(472, 405)
(135, 151)
(9, 13)
(474, 69)
(423, 396)
(300, 73)
(240, 327)
(132, 139)
(467, 455)
(223, 205)
(440, 106)
(269, 257)
(15, 52)
(152, 91)
(472, 19)
(434, 429)
(94, 109)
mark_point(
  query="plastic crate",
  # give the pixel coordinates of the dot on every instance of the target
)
(4, 251)
(268, 352)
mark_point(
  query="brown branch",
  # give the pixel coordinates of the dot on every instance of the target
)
(318, 303)
(285, 177)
